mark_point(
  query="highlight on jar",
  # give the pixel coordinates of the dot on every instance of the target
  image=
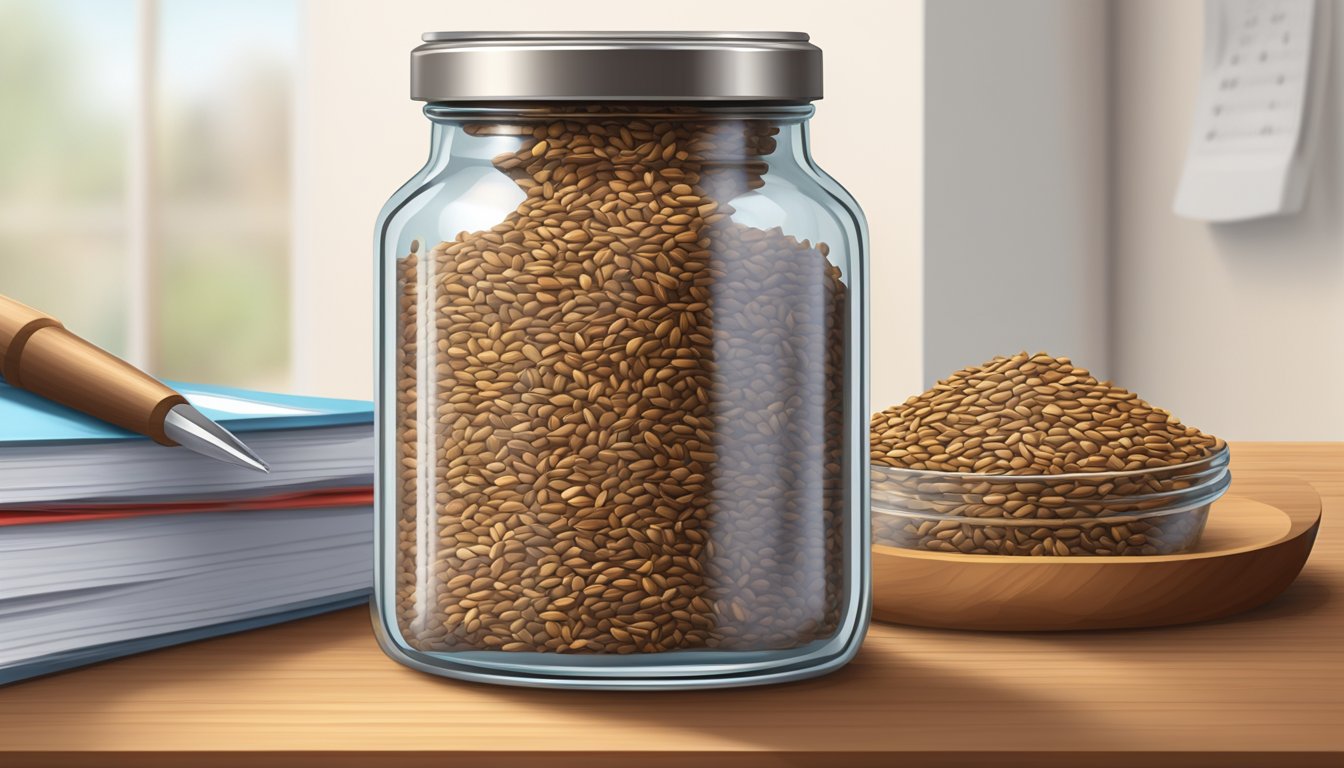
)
(1031, 455)
(622, 384)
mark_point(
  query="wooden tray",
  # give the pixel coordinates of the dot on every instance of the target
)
(1256, 541)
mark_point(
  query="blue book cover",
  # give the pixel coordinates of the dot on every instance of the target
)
(26, 418)
(50, 454)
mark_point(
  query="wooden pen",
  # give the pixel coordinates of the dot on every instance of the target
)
(38, 354)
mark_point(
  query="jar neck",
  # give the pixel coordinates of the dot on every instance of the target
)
(718, 135)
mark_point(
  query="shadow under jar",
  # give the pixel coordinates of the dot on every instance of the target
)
(622, 397)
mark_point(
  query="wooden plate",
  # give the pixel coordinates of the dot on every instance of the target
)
(1256, 541)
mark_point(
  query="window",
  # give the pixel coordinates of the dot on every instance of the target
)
(145, 178)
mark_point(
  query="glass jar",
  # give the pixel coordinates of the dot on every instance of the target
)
(622, 398)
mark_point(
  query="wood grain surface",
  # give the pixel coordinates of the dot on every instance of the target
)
(1257, 539)
(1262, 688)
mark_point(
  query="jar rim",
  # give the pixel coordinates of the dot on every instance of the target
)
(629, 35)
(449, 111)
(737, 66)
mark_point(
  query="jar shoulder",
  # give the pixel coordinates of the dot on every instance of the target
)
(827, 191)
(462, 189)
(807, 203)
(833, 190)
(443, 199)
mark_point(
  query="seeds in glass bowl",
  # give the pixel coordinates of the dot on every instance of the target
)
(1159, 534)
(1032, 455)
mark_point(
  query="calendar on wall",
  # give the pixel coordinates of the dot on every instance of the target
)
(1259, 90)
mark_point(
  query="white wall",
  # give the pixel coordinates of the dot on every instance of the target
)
(1238, 328)
(1015, 143)
(366, 137)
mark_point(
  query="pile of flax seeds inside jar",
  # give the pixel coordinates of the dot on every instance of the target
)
(633, 438)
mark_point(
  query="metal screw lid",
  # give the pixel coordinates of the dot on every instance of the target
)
(616, 66)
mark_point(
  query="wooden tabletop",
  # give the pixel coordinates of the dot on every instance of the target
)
(1264, 688)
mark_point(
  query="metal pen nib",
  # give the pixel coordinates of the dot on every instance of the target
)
(190, 429)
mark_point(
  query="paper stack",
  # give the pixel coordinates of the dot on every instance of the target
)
(111, 544)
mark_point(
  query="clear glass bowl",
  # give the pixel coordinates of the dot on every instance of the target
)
(1151, 511)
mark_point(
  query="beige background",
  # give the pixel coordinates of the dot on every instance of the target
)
(367, 137)
(1238, 326)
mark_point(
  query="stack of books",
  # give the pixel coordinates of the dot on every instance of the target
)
(111, 544)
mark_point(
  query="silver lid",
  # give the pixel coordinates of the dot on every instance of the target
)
(616, 66)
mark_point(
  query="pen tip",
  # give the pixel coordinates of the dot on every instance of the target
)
(190, 429)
